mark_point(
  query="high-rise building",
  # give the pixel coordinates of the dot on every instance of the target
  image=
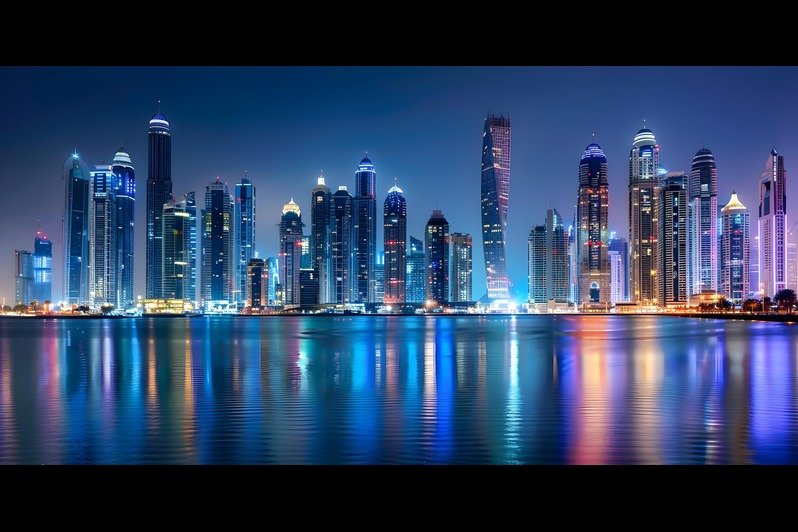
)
(436, 242)
(42, 268)
(791, 276)
(754, 287)
(243, 235)
(76, 231)
(592, 230)
(702, 271)
(320, 237)
(461, 274)
(103, 235)
(495, 197)
(125, 192)
(308, 287)
(364, 221)
(548, 271)
(772, 225)
(734, 251)
(217, 243)
(306, 257)
(379, 277)
(672, 215)
(291, 252)
(620, 246)
(416, 272)
(257, 293)
(616, 277)
(159, 191)
(573, 268)
(272, 264)
(23, 276)
(341, 247)
(395, 243)
(643, 230)
(180, 248)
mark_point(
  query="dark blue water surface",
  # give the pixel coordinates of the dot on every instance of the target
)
(393, 389)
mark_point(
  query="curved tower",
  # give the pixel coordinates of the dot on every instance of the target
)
(772, 226)
(592, 215)
(159, 191)
(702, 271)
(495, 200)
(395, 241)
(125, 185)
(364, 215)
(643, 226)
(76, 231)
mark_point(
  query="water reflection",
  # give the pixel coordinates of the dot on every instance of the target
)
(297, 390)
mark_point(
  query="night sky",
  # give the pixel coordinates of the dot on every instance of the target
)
(422, 126)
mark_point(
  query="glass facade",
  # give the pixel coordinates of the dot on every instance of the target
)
(341, 248)
(364, 221)
(291, 253)
(217, 243)
(320, 237)
(772, 226)
(702, 215)
(180, 249)
(735, 250)
(23, 276)
(125, 200)
(549, 268)
(257, 292)
(103, 234)
(244, 234)
(436, 242)
(159, 191)
(495, 197)
(416, 277)
(395, 245)
(643, 222)
(42, 268)
(461, 275)
(672, 214)
(592, 216)
(76, 231)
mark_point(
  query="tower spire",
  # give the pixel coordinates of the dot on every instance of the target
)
(159, 106)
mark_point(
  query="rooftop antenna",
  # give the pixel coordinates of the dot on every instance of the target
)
(644, 122)
(159, 106)
(246, 176)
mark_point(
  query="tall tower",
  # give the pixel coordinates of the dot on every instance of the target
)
(257, 293)
(436, 240)
(734, 253)
(364, 216)
(395, 243)
(42, 267)
(217, 243)
(672, 268)
(461, 275)
(125, 185)
(702, 213)
(416, 279)
(243, 234)
(290, 252)
(76, 231)
(23, 276)
(180, 248)
(159, 191)
(342, 241)
(620, 247)
(592, 215)
(495, 199)
(772, 226)
(103, 235)
(548, 261)
(643, 230)
(320, 235)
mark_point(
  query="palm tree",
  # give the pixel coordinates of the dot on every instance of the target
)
(786, 298)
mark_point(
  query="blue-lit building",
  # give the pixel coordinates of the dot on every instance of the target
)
(76, 231)
(180, 248)
(395, 245)
(290, 253)
(416, 279)
(272, 264)
(341, 248)
(159, 191)
(244, 235)
(461, 289)
(125, 184)
(23, 276)
(364, 221)
(103, 234)
(257, 292)
(436, 242)
(42, 268)
(495, 197)
(379, 277)
(320, 237)
(217, 243)
(735, 246)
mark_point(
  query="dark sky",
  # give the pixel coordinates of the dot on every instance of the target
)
(421, 125)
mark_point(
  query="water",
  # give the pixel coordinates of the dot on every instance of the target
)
(398, 390)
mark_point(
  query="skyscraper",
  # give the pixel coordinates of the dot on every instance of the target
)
(320, 236)
(643, 230)
(379, 277)
(243, 235)
(159, 191)
(702, 271)
(364, 220)
(217, 243)
(180, 248)
(341, 247)
(76, 231)
(125, 191)
(616, 277)
(290, 252)
(734, 253)
(416, 278)
(754, 287)
(306, 257)
(272, 264)
(573, 268)
(257, 293)
(620, 246)
(461, 274)
(672, 254)
(436, 242)
(308, 287)
(42, 268)
(548, 269)
(23, 276)
(791, 257)
(495, 200)
(772, 225)
(103, 235)
(395, 243)
(592, 231)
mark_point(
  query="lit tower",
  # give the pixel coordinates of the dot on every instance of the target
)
(772, 225)
(364, 219)
(125, 190)
(290, 252)
(76, 231)
(643, 230)
(159, 191)
(702, 271)
(395, 240)
(592, 231)
(320, 234)
(495, 200)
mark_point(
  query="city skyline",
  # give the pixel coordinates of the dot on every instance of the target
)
(216, 136)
